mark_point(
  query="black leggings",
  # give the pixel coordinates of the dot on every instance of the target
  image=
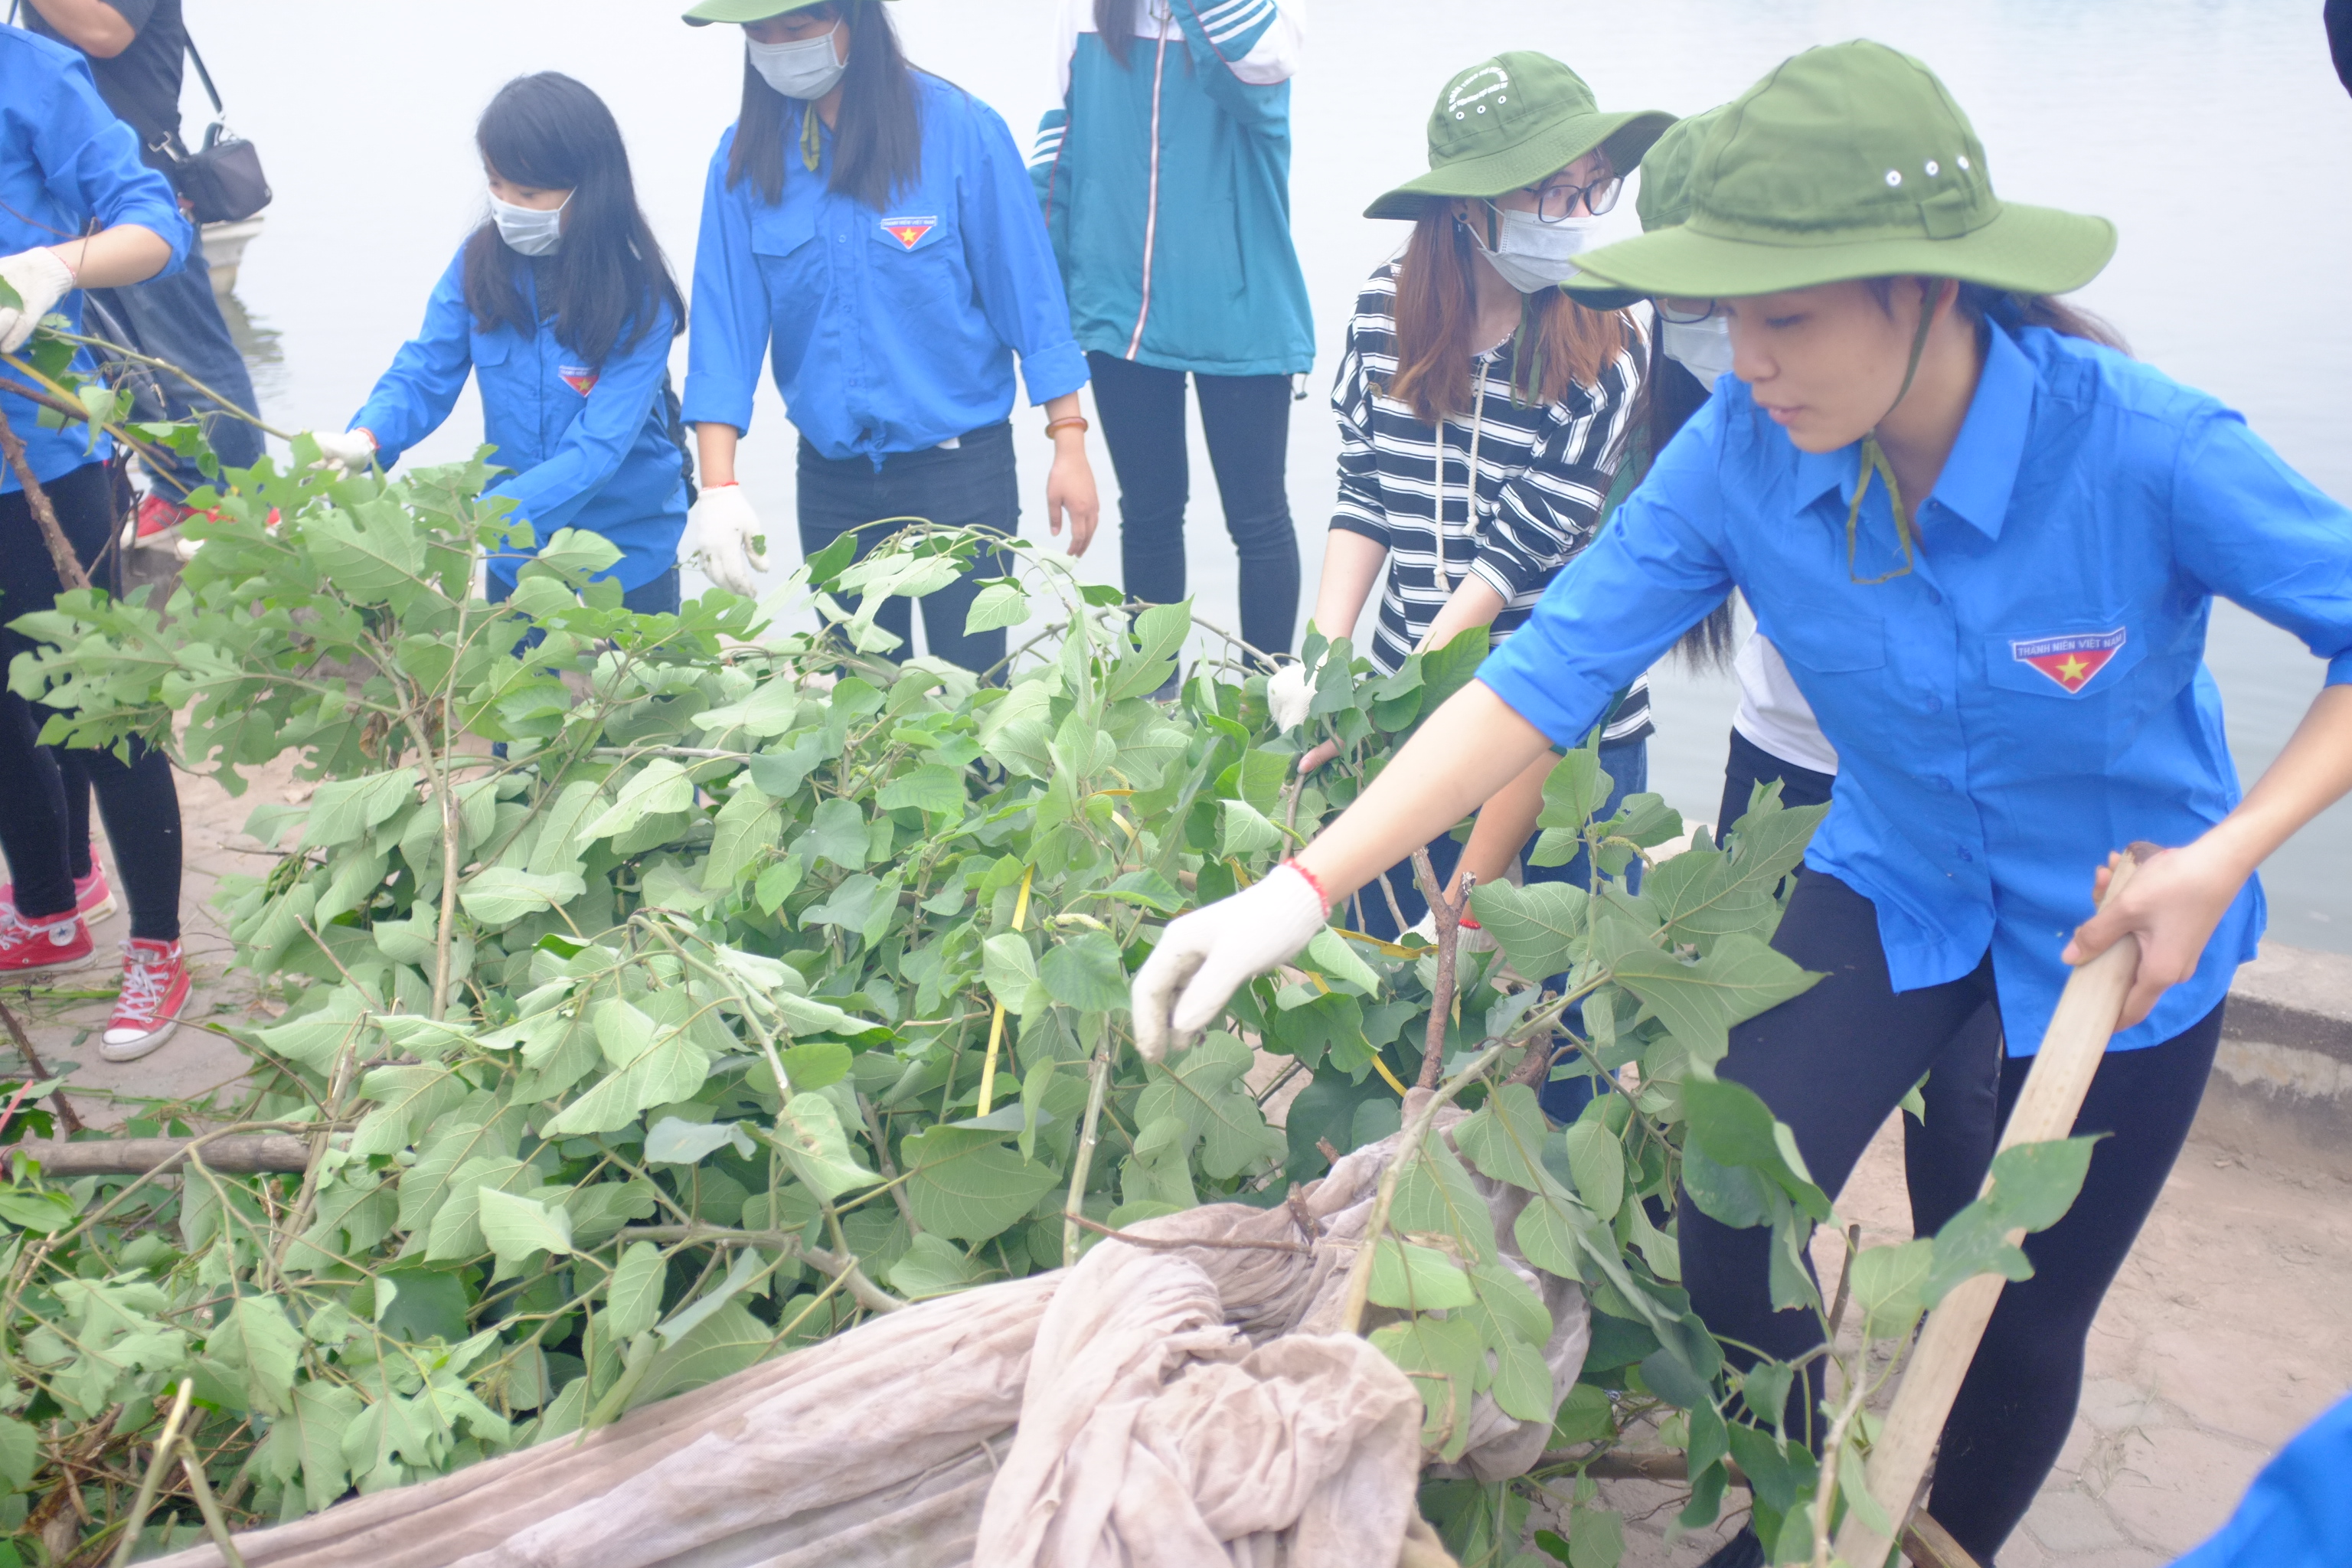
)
(1831, 1064)
(45, 790)
(1246, 419)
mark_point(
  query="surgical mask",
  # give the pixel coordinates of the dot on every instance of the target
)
(1533, 255)
(806, 71)
(1703, 347)
(528, 229)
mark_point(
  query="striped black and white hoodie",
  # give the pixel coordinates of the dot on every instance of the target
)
(1544, 472)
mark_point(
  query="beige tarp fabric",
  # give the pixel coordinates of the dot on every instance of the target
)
(1149, 1408)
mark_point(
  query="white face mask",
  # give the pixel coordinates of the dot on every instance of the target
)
(806, 71)
(1703, 347)
(1533, 255)
(527, 230)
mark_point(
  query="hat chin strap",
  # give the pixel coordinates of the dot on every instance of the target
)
(1874, 462)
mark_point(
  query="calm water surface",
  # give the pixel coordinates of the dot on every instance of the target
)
(2214, 134)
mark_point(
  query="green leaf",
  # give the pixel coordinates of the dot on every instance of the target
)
(1330, 955)
(995, 606)
(967, 1184)
(652, 1066)
(578, 550)
(1598, 1161)
(932, 1266)
(517, 1226)
(2033, 1185)
(1596, 1538)
(1010, 972)
(1503, 1139)
(20, 1453)
(1205, 1090)
(371, 552)
(1159, 631)
(933, 788)
(1084, 972)
(767, 712)
(660, 786)
(809, 1136)
(411, 1100)
(721, 1345)
(253, 1336)
(837, 832)
(500, 895)
(343, 809)
(1244, 831)
(633, 1297)
(1147, 888)
(744, 829)
(1854, 1482)
(1522, 1387)
(1540, 927)
(1887, 1282)
(1419, 1279)
(1699, 1001)
(1447, 1362)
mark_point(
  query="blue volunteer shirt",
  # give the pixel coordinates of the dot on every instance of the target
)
(66, 162)
(888, 330)
(2033, 696)
(589, 445)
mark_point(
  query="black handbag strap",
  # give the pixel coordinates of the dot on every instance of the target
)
(205, 77)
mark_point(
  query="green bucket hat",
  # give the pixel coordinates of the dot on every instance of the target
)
(1848, 161)
(1508, 121)
(711, 11)
(1662, 200)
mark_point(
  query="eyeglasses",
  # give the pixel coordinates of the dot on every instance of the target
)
(1556, 204)
(1684, 312)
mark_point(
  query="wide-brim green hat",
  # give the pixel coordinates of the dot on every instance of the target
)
(711, 11)
(1849, 161)
(1508, 121)
(1664, 199)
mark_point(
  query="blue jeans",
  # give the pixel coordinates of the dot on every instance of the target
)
(1628, 767)
(970, 485)
(176, 319)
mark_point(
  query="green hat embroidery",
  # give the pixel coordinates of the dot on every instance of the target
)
(711, 11)
(1849, 161)
(1507, 122)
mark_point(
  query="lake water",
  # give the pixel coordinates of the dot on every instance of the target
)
(2213, 131)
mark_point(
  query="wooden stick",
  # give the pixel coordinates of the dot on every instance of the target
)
(2071, 1051)
(62, 553)
(39, 1068)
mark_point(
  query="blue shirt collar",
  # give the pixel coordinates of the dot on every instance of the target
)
(1982, 470)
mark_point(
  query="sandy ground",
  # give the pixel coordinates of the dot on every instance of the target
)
(2225, 1334)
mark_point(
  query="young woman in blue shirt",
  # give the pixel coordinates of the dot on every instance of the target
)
(2008, 660)
(1165, 173)
(562, 308)
(78, 210)
(869, 233)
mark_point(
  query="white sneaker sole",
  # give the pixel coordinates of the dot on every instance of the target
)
(145, 1044)
(60, 966)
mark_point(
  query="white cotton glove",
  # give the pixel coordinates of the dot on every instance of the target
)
(346, 452)
(1290, 691)
(719, 535)
(40, 280)
(1205, 957)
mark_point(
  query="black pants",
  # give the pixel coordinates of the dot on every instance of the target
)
(970, 485)
(1831, 1063)
(45, 790)
(1246, 419)
(1944, 1156)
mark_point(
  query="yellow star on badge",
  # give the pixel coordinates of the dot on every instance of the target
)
(2073, 671)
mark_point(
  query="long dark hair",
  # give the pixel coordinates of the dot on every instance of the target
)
(878, 144)
(1437, 318)
(1115, 24)
(609, 275)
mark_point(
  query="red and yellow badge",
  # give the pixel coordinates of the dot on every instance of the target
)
(2071, 660)
(909, 231)
(579, 378)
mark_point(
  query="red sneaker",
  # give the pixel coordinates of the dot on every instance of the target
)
(154, 989)
(54, 941)
(159, 521)
(93, 899)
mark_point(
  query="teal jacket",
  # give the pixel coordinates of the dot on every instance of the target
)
(1166, 187)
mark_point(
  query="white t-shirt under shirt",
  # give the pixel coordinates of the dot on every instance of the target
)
(1773, 713)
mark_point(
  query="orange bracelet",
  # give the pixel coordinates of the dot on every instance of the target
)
(1077, 419)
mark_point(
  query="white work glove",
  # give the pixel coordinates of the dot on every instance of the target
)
(346, 452)
(1470, 938)
(1290, 691)
(1205, 957)
(40, 280)
(719, 535)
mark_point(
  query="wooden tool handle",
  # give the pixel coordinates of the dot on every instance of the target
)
(2046, 1107)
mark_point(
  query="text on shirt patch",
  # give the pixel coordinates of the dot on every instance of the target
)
(2070, 660)
(909, 231)
(579, 378)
